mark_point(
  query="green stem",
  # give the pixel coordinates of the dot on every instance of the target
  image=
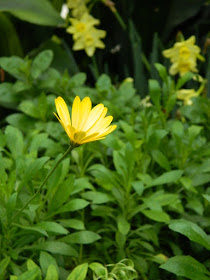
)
(120, 20)
(42, 184)
(94, 68)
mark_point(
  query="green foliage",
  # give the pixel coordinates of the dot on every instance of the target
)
(132, 206)
(38, 12)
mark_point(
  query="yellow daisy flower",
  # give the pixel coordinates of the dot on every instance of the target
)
(183, 56)
(86, 124)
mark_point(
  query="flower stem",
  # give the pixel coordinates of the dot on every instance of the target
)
(42, 184)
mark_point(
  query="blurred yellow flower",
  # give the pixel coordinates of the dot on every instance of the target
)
(86, 124)
(77, 7)
(90, 41)
(183, 56)
(186, 95)
(85, 35)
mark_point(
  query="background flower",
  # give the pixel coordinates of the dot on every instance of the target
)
(183, 56)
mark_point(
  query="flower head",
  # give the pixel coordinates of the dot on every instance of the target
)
(85, 35)
(90, 41)
(186, 95)
(85, 124)
(183, 56)
(77, 7)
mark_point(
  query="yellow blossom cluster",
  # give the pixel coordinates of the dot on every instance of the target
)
(85, 35)
(183, 56)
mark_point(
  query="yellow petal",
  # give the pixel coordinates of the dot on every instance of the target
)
(107, 130)
(89, 138)
(85, 108)
(95, 127)
(90, 50)
(70, 132)
(93, 116)
(92, 139)
(101, 125)
(63, 111)
(75, 114)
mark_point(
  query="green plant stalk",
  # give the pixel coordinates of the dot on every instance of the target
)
(71, 147)
(120, 20)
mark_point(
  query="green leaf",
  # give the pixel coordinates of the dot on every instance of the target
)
(97, 197)
(62, 194)
(79, 272)
(73, 223)
(73, 205)
(57, 247)
(13, 277)
(53, 227)
(33, 228)
(182, 80)
(99, 269)
(11, 203)
(207, 197)
(3, 266)
(46, 260)
(186, 266)
(10, 42)
(103, 83)
(34, 167)
(138, 187)
(14, 65)
(21, 121)
(37, 142)
(15, 140)
(41, 63)
(52, 273)
(161, 159)
(8, 98)
(123, 225)
(103, 175)
(81, 237)
(192, 231)
(126, 91)
(29, 108)
(31, 265)
(155, 92)
(138, 58)
(162, 71)
(177, 128)
(167, 178)
(158, 216)
(30, 275)
(35, 11)
(78, 80)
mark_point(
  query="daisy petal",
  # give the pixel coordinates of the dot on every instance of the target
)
(89, 138)
(75, 114)
(63, 111)
(93, 116)
(85, 108)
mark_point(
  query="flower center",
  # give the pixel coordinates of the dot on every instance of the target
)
(80, 27)
(184, 52)
(184, 67)
(89, 40)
